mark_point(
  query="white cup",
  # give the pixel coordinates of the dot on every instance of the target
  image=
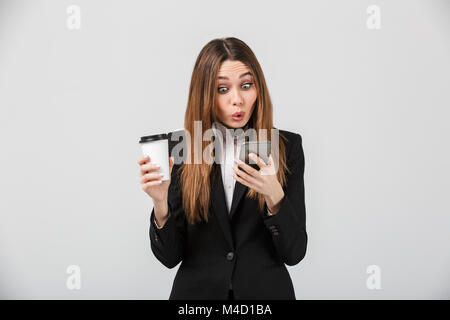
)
(157, 148)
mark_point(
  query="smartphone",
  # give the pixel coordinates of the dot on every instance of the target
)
(260, 148)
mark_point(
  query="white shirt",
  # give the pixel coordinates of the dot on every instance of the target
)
(231, 147)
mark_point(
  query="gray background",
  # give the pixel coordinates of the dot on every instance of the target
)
(371, 106)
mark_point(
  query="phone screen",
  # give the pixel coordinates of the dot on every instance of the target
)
(260, 148)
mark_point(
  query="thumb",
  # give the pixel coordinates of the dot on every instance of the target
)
(270, 162)
(171, 162)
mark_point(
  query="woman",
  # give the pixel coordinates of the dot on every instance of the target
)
(230, 246)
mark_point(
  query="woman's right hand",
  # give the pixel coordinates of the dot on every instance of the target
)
(150, 179)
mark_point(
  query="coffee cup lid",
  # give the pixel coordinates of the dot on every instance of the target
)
(153, 137)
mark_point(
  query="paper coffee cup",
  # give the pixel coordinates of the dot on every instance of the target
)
(157, 148)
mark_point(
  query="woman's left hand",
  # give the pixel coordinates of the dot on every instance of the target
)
(263, 181)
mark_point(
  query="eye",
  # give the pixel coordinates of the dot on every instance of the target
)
(222, 91)
(249, 85)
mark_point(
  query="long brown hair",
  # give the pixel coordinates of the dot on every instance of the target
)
(201, 106)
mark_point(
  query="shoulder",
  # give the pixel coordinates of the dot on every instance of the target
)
(175, 134)
(294, 151)
(290, 135)
(292, 139)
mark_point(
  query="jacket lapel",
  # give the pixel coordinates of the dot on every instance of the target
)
(219, 202)
(219, 205)
(239, 191)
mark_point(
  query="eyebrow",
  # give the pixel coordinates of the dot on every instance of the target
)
(242, 75)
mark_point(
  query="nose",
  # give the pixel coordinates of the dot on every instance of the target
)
(236, 98)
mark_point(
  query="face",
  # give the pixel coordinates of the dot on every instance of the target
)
(236, 94)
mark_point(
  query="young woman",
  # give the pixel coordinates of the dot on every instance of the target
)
(230, 246)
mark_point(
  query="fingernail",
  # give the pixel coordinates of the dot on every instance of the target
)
(236, 160)
(252, 155)
(161, 174)
(158, 166)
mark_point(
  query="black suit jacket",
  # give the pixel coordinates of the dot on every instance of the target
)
(245, 250)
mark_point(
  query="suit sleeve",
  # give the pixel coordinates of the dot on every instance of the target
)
(167, 242)
(288, 226)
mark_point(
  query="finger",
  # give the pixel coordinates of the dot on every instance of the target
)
(244, 181)
(251, 171)
(240, 180)
(270, 162)
(151, 183)
(171, 163)
(243, 175)
(270, 168)
(260, 162)
(145, 168)
(144, 159)
(151, 177)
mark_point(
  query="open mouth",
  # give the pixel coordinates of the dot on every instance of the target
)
(238, 116)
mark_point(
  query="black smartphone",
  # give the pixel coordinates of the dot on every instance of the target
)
(260, 148)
